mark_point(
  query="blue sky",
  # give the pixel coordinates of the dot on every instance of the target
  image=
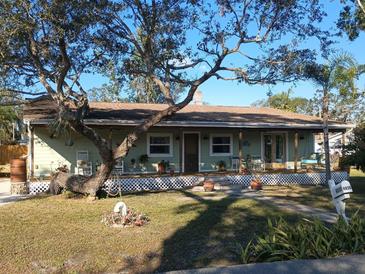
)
(219, 92)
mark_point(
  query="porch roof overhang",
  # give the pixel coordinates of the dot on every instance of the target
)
(207, 124)
(42, 111)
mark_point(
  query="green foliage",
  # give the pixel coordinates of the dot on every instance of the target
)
(143, 159)
(355, 151)
(352, 19)
(221, 165)
(337, 78)
(284, 101)
(306, 240)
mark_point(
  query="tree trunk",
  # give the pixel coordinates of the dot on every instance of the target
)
(79, 183)
(325, 134)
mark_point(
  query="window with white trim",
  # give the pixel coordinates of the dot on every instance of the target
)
(159, 145)
(221, 144)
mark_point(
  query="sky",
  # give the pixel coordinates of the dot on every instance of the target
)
(228, 93)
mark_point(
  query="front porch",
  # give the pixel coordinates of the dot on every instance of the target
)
(208, 150)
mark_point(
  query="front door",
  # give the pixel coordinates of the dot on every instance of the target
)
(275, 149)
(191, 152)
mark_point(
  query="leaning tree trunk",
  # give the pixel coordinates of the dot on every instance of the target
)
(325, 134)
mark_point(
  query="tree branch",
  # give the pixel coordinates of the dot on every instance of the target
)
(361, 6)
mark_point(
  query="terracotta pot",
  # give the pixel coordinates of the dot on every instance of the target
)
(161, 169)
(256, 185)
(208, 185)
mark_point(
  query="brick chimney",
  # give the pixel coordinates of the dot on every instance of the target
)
(198, 98)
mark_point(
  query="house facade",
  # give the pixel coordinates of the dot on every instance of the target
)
(199, 138)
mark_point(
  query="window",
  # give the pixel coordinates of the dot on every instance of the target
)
(82, 155)
(159, 144)
(220, 145)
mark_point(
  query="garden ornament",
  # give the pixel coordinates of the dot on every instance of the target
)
(120, 208)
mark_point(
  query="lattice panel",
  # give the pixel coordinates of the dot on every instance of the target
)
(151, 183)
(177, 182)
(38, 187)
(288, 179)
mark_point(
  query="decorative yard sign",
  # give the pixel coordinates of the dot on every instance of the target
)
(340, 193)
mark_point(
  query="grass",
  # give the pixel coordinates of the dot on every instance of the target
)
(320, 196)
(187, 230)
(55, 234)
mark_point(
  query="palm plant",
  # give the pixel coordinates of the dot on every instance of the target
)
(338, 74)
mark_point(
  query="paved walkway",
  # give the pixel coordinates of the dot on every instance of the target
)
(352, 264)
(5, 195)
(281, 203)
(324, 215)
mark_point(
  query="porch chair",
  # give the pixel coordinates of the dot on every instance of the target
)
(83, 165)
(235, 163)
(118, 168)
(257, 164)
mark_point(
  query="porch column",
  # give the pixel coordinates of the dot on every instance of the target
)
(110, 138)
(181, 141)
(343, 141)
(240, 152)
(31, 151)
(296, 151)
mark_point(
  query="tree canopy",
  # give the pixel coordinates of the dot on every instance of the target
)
(352, 18)
(284, 101)
(49, 44)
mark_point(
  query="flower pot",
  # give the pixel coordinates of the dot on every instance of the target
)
(256, 184)
(208, 185)
(172, 172)
(161, 168)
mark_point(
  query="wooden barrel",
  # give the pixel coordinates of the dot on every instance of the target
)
(18, 170)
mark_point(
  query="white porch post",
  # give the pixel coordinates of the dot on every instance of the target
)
(296, 151)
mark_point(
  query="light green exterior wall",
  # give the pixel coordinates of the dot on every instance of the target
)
(49, 153)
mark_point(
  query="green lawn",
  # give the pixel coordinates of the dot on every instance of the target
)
(320, 196)
(187, 230)
(55, 234)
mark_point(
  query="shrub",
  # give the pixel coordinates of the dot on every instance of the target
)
(354, 152)
(221, 165)
(306, 240)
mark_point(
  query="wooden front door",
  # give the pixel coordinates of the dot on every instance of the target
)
(191, 152)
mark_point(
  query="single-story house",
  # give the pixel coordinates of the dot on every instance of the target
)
(199, 138)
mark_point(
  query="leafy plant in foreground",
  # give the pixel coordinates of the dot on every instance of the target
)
(309, 239)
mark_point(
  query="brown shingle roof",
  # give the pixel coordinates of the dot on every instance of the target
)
(191, 114)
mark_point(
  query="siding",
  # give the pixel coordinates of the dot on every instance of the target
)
(49, 153)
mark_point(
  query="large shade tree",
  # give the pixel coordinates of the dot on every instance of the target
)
(51, 43)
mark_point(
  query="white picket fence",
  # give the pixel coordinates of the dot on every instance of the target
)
(128, 184)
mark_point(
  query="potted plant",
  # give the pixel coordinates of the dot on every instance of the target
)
(256, 184)
(221, 166)
(208, 185)
(172, 171)
(143, 160)
(162, 166)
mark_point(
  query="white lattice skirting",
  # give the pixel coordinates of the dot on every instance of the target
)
(178, 182)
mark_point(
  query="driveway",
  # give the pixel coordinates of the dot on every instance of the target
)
(354, 264)
(5, 195)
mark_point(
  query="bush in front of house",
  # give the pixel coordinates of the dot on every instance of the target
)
(306, 240)
(354, 152)
(221, 165)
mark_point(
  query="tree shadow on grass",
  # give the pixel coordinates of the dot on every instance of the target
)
(213, 237)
